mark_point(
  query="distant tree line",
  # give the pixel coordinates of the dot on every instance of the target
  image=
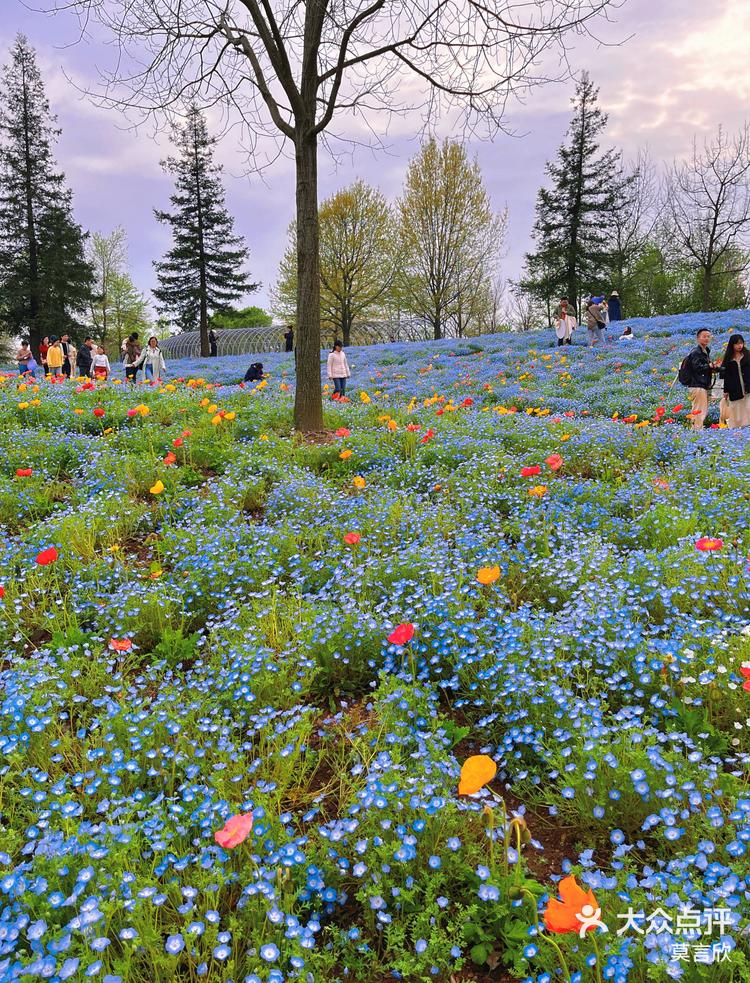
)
(668, 242)
(55, 278)
(433, 255)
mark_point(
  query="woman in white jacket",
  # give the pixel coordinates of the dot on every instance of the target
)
(152, 360)
(338, 369)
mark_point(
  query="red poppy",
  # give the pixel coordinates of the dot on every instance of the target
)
(413, 427)
(468, 401)
(120, 644)
(676, 409)
(569, 413)
(187, 433)
(554, 462)
(660, 411)
(401, 634)
(98, 411)
(745, 670)
(47, 556)
(170, 458)
(343, 432)
(352, 538)
(707, 544)
(178, 442)
(2, 593)
(530, 471)
(429, 434)
(23, 472)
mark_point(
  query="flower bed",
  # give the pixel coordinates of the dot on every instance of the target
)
(242, 673)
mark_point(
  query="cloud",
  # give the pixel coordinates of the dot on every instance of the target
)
(666, 69)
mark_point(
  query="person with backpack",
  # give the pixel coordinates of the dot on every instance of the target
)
(595, 320)
(696, 373)
(735, 371)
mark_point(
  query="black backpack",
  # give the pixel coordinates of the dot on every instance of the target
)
(684, 373)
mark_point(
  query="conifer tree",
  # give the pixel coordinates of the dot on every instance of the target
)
(203, 271)
(45, 281)
(573, 228)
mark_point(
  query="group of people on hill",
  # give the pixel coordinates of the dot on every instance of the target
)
(699, 372)
(600, 313)
(59, 357)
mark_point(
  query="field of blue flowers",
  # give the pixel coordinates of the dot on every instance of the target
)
(493, 553)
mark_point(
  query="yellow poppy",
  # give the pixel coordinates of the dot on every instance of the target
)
(158, 488)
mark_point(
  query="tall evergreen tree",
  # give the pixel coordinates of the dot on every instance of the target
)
(573, 228)
(202, 272)
(45, 281)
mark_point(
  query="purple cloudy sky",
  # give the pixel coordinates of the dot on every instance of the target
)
(681, 72)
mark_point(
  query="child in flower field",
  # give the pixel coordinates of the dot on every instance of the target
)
(55, 357)
(100, 367)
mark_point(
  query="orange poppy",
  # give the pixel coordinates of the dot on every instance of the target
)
(120, 644)
(563, 916)
(706, 544)
(488, 575)
(476, 771)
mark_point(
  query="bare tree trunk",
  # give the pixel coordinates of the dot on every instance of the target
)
(707, 284)
(308, 405)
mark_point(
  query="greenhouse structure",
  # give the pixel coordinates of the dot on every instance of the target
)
(251, 341)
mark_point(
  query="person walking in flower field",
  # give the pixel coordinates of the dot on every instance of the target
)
(100, 367)
(594, 321)
(338, 369)
(565, 322)
(152, 360)
(735, 371)
(55, 358)
(696, 373)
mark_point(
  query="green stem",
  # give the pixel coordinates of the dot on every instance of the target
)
(547, 938)
(598, 957)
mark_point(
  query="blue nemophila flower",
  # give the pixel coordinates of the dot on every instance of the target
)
(269, 952)
(174, 944)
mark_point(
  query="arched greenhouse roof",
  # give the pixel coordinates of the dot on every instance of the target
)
(249, 341)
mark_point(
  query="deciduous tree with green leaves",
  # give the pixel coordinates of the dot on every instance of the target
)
(358, 258)
(450, 237)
